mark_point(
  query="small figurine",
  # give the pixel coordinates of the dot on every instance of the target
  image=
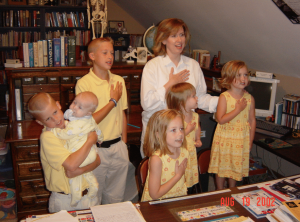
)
(130, 54)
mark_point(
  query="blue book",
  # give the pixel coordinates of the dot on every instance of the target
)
(66, 51)
(56, 52)
(50, 53)
(30, 51)
(78, 21)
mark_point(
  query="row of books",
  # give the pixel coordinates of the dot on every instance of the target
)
(13, 38)
(83, 38)
(287, 112)
(202, 57)
(64, 19)
(48, 53)
(20, 18)
(9, 54)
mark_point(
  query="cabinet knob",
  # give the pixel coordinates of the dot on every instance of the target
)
(41, 201)
(35, 169)
(41, 88)
(33, 153)
(36, 186)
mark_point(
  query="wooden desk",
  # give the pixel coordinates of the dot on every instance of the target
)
(291, 154)
(163, 212)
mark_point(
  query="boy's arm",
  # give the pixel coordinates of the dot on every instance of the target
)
(252, 122)
(85, 169)
(75, 159)
(124, 131)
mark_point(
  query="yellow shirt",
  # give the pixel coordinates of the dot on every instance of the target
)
(53, 154)
(112, 124)
(168, 172)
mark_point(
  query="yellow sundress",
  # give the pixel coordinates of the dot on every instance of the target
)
(230, 149)
(168, 171)
(191, 173)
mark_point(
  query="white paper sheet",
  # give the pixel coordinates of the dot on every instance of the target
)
(123, 212)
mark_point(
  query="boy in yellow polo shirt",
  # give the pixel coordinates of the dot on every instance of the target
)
(116, 173)
(57, 161)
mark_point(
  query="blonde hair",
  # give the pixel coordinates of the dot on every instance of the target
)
(38, 103)
(229, 72)
(178, 94)
(156, 132)
(166, 28)
(94, 44)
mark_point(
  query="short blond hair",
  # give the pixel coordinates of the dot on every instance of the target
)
(229, 72)
(38, 103)
(94, 44)
(91, 99)
(178, 94)
(156, 132)
(166, 28)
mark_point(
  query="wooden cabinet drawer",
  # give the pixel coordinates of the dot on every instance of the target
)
(36, 202)
(27, 151)
(135, 81)
(34, 185)
(28, 169)
(40, 88)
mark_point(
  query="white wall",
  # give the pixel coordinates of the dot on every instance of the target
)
(255, 31)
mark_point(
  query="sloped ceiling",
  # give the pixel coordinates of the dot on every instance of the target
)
(254, 31)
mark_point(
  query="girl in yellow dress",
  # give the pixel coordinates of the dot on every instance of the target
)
(236, 126)
(182, 97)
(165, 145)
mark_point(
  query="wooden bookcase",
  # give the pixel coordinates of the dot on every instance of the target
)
(23, 136)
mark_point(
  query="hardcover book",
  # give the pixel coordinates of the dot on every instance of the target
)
(62, 51)
(56, 52)
(45, 53)
(30, 51)
(35, 54)
(40, 53)
(72, 50)
(50, 53)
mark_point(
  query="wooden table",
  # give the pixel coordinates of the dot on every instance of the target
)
(163, 212)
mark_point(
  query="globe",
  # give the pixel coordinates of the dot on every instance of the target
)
(148, 39)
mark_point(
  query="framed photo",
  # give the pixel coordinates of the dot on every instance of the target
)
(115, 26)
(66, 2)
(141, 54)
(2, 2)
(15, 2)
(118, 43)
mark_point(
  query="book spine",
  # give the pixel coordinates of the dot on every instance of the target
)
(45, 53)
(72, 50)
(66, 51)
(56, 52)
(35, 54)
(62, 51)
(40, 53)
(30, 52)
(50, 53)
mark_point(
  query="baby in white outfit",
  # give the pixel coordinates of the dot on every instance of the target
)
(81, 122)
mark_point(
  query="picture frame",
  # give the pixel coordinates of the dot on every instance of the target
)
(118, 43)
(115, 26)
(16, 2)
(141, 54)
(3, 2)
(66, 2)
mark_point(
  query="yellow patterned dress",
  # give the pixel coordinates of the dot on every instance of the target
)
(230, 149)
(191, 173)
(168, 171)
